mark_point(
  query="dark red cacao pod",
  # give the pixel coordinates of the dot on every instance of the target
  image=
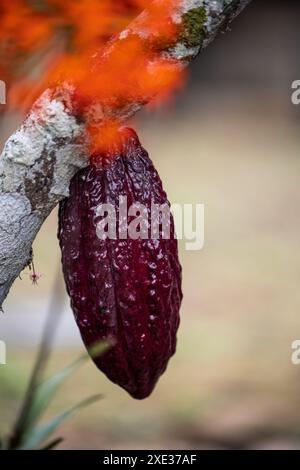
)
(126, 290)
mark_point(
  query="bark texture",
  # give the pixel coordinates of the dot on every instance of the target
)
(40, 158)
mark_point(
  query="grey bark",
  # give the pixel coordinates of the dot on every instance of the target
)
(40, 158)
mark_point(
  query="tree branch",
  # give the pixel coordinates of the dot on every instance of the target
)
(40, 158)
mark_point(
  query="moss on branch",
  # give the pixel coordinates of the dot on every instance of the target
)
(193, 27)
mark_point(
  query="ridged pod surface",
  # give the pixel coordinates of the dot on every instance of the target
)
(127, 290)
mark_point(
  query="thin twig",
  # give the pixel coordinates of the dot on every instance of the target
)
(53, 316)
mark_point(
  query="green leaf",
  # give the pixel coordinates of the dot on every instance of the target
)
(37, 435)
(52, 444)
(47, 389)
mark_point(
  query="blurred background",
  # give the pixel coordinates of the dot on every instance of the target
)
(230, 141)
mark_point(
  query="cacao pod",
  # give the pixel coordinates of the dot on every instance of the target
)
(128, 290)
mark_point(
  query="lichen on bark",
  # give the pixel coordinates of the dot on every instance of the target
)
(193, 27)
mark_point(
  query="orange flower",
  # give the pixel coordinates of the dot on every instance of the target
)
(44, 43)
